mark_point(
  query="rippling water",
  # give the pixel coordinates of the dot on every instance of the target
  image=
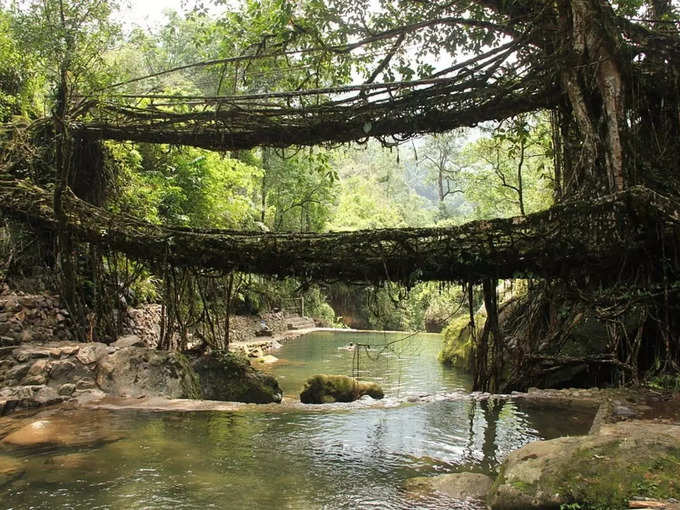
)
(290, 456)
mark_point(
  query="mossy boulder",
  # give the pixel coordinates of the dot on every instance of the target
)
(622, 462)
(326, 389)
(457, 346)
(229, 377)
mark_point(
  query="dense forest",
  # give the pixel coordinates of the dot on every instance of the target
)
(522, 155)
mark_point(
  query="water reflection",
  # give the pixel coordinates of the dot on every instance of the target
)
(294, 458)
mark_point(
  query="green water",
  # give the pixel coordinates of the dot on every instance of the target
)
(289, 456)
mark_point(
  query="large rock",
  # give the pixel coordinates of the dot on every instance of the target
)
(92, 353)
(325, 389)
(73, 431)
(624, 460)
(136, 371)
(230, 377)
(460, 486)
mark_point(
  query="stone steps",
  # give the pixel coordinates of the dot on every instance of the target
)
(296, 323)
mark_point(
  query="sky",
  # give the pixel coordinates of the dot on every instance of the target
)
(147, 13)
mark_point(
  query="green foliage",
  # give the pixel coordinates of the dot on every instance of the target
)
(68, 35)
(374, 192)
(300, 190)
(185, 187)
(20, 81)
(510, 171)
(664, 382)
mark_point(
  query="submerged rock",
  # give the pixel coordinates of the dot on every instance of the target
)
(10, 470)
(64, 432)
(461, 486)
(230, 377)
(325, 389)
(624, 460)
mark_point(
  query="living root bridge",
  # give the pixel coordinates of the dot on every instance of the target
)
(583, 237)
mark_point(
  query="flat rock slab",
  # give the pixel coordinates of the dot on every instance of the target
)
(459, 486)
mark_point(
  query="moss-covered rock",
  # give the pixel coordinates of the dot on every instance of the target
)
(230, 377)
(623, 461)
(457, 345)
(325, 389)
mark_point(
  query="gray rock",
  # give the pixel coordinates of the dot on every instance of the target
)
(61, 370)
(136, 371)
(18, 372)
(86, 384)
(66, 389)
(623, 412)
(24, 355)
(92, 353)
(128, 341)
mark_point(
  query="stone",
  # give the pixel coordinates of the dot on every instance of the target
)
(38, 367)
(24, 355)
(10, 470)
(61, 369)
(230, 377)
(623, 412)
(92, 353)
(137, 371)
(34, 380)
(604, 470)
(18, 372)
(7, 341)
(66, 389)
(86, 384)
(77, 430)
(128, 341)
(460, 486)
(326, 389)
(267, 359)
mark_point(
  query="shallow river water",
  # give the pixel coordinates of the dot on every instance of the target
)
(290, 456)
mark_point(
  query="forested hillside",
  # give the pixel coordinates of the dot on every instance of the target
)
(289, 119)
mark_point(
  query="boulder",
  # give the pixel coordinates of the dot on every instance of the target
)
(137, 371)
(623, 461)
(230, 377)
(128, 341)
(92, 353)
(325, 389)
(66, 432)
(66, 389)
(462, 486)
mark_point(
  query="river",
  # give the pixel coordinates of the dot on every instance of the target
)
(290, 456)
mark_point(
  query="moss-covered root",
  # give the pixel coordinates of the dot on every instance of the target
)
(325, 389)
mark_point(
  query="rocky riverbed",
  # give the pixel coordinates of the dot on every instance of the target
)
(630, 458)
